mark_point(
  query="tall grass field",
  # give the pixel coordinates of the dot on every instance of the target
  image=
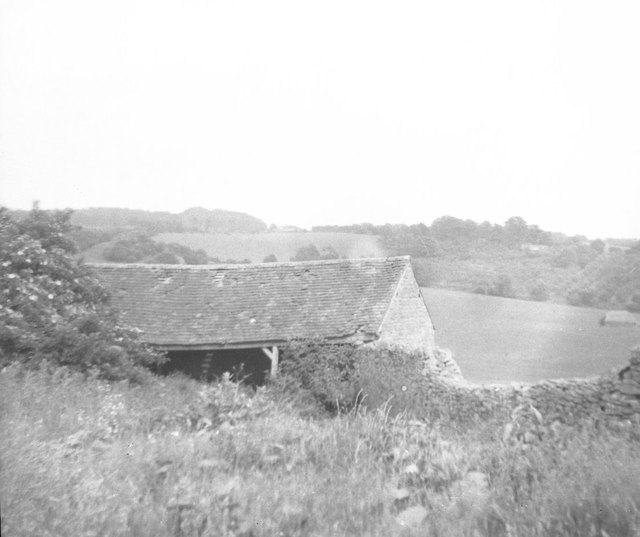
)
(497, 339)
(177, 458)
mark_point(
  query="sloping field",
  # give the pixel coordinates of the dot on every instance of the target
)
(283, 245)
(95, 253)
(500, 340)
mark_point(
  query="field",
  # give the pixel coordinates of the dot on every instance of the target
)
(257, 246)
(283, 245)
(500, 340)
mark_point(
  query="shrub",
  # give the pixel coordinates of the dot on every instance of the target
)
(390, 376)
(53, 309)
(502, 286)
(325, 372)
(166, 258)
(311, 253)
(580, 297)
(344, 377)
(539, 292)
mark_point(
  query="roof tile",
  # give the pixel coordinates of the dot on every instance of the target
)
(217, 305)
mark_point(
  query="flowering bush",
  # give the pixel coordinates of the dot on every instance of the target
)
(53, 308)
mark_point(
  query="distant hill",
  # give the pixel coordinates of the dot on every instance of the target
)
(194, 219)
(516, 259)
(257, 246)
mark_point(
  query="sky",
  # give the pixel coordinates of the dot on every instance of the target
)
(327, 112)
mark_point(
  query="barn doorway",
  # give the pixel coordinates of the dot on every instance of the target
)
(250, 366)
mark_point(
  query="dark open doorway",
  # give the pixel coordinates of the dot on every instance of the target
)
(247, 365)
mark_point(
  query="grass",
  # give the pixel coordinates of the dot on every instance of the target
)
(178, 458)
(257, 246)
(283, 245)
(496, 339)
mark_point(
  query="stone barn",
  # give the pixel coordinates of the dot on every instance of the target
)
(212, 318)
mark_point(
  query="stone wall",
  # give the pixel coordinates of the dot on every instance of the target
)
(408, 324)
(611, 396)
(616, 394)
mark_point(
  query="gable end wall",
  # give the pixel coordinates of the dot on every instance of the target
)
(408, 323)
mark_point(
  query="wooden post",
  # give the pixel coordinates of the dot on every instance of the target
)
(206, 365)
(273, 355)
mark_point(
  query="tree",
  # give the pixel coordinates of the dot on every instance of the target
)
(306, 253)
(53, 308)
(166, 258)
(516, 231)
(271, 258)
(329, 252)
(539, 292)
(581, 297)
(502, 287)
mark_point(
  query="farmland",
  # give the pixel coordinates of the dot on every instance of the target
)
(501, 340)
(341, 442)
(283, 245)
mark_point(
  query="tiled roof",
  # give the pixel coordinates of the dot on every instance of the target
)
(234, 305)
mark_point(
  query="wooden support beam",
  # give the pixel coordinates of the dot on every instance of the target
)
(273, 354)
(206, 365)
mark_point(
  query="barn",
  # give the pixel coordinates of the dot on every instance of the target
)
(619, 318)
(211, 318)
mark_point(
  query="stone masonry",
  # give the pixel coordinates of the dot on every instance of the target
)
(407, 324)
(611, 396)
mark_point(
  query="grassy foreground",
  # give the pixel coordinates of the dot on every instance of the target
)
(175, 457)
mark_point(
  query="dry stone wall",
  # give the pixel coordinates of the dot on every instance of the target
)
(612, 396)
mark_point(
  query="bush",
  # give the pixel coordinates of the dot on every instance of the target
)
(311, 253)
(539, 292)
(580, 297)
(345, 377)
(502, 287)
(53, 309)
(166, 258)
(325, 372)
(390, 376)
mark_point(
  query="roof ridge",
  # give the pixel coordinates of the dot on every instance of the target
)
(350, 261)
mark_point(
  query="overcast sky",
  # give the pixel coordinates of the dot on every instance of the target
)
(316, 112)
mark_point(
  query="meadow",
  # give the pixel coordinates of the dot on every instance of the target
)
(497, 339)
(283, 245)
(173, 457)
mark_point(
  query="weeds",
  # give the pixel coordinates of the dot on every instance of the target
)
(174, 457)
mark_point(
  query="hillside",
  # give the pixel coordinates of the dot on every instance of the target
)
(283, 245)
(496, 339)
(516, 260)
(194, 219)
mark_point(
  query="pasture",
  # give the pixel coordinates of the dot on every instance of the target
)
(497, 340)
(283, 245)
